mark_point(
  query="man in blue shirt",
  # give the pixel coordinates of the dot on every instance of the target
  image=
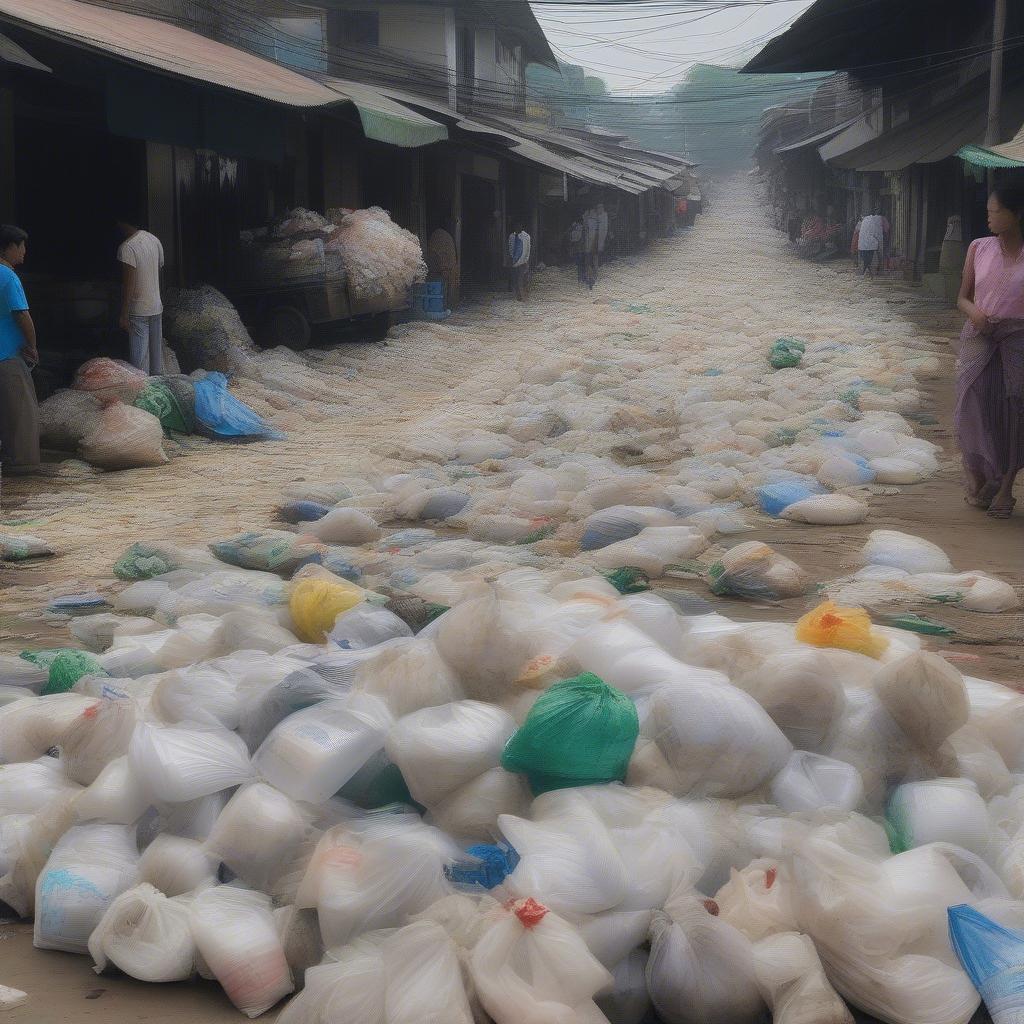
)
(19, 411)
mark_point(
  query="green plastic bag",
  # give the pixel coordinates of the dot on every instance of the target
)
(786, 353)
(142, 562)
(158, 399)
(629, 580)
(581, 732)
(66, 665)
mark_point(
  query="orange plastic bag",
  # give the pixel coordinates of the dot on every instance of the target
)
(847, 628)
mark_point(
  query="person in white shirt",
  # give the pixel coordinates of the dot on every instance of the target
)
(870, 241)
(142, 257)
(519, 254)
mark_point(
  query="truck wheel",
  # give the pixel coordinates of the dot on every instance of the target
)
(285, 325)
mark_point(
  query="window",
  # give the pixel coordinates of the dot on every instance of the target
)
(504, 54)
(299, 42)
(358, 28)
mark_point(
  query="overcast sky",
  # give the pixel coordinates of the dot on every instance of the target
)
(647, 48)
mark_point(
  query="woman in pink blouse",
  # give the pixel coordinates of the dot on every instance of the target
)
(989, 415)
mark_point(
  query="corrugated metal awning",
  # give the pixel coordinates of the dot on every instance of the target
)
(385, 120)
(941, 133)
(167, 48)
(1007, 154)
(12, 53)
(818, 137)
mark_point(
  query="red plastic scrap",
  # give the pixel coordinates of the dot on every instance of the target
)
(530, 912)
(769, 877)
(711, 907)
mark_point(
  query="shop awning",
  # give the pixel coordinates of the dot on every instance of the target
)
(385, 120)
(1007, 154)
(818, 137)
(12, 53)
(939, 134)
(166, 48)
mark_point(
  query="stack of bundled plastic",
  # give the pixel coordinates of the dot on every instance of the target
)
(380, 258)
(535, 799)
(207, 332)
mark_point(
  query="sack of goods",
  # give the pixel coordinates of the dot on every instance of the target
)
(380, 258)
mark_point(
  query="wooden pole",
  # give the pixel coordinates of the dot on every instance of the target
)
(995, 89)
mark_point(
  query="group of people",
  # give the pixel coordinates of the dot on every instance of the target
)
(141, 257)
(588, 238)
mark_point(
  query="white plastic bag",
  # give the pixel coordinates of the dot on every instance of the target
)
(367, 625)
(314, 752)
(90, 866)
(28, 786)
(904, 551)
(351, 988)
(827, 510)
(146, 935)
(701, 969)
(530, 965)
(99, 734)
(811, 782)
(441, 749)
(258, 833)
(407, 674)
(123, 437)
(793, 982)
(942, 811)
(470, 814)
(28, 729)
(758, 899)
(178, 763)
(177, 866)
(349, 526)
(235, 935)
(115, 796)
(925, 696)
(199, 693)
(653, 549)
(628, 1002)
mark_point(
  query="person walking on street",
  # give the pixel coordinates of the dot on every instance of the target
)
(602, 232)
(591, 230)
(988, 419)
(141, 257)
(519, 253)
(870, 240)
(19, 410)
(576, 250)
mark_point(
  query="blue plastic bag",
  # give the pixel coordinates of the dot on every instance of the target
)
(302, 512)
(993, 957)
(775, 498)
(224, 415)
(493, 865)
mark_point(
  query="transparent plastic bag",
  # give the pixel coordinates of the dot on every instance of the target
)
(200, 693)
(470, 813)
(145, 935)
(530, 965)
(90, 866)
(122, 438)
(904, 551)
(351, 987)
(653, 549)
(926, 697)
(793, 983)
(423, 977)
(701, 969)
(259, 831)
(177, 764)
(101, 733)
(234, 933)
(365, 626)
(756, 571)
(314, 752)
(408, 674)
(826, 510)
(628, 1002)
(28, 786)
(441, 749)
(28, 729)
(811, 782)
(621, 522)
(757, 899)
(177, 866)
(940, 811)
(115, 796)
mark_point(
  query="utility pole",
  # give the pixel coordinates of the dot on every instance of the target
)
(995, 88)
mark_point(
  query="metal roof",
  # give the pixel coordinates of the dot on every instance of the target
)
(1012, 150)
(385, 120)
(941, 133)
(825, 136)
(12, 53)
(167, 48)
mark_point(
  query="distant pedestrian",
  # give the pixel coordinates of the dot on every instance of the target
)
(141, 256)
(19, 410)
(988, 419)
(591, 231)
(519, 253)
(870, 241)
(576, 250)
(602, 231)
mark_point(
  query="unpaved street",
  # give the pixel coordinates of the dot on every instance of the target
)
(731, 270)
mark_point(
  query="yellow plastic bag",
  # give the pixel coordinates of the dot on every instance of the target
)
(847, 628)
(316, 602)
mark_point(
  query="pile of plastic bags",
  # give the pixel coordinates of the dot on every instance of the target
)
(506, 794)
(380, 258)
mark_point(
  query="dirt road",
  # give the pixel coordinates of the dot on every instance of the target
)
(666, 294)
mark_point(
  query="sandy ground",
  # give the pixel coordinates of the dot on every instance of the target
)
(216, 490)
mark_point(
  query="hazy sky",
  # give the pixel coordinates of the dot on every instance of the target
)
(645, 48)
